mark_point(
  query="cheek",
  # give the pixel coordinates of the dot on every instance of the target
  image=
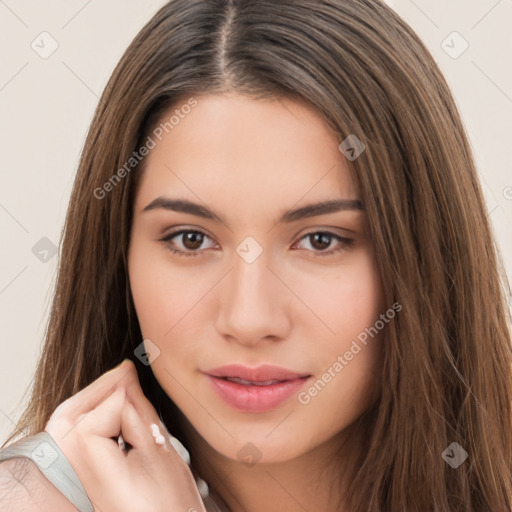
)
(163, 294)
(347, 299)
(348, 363)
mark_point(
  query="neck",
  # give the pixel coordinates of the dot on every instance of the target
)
(311, 481)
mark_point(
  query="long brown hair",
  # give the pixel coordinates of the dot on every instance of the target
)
(447, 369)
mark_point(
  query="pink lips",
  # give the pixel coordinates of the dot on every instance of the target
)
(255, 389)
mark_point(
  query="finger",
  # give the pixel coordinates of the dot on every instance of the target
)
(89, 397)
(143, 406)
(134, 430)
(105, 419)
(139, 434)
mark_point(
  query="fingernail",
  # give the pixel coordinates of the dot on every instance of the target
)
(182, 451)
(155, 430)
(121, 364)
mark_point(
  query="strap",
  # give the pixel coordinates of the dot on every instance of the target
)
(43, 450)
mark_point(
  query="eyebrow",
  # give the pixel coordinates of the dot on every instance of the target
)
(310, 210)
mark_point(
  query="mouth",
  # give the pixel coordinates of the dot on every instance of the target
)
(244, 382)
(255, 389)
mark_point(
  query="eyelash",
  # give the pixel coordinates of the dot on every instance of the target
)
(345, 243)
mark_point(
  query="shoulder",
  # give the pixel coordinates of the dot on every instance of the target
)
(23, 488)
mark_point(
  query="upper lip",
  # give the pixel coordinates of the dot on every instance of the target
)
(261, 373)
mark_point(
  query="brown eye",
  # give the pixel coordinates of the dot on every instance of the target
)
(320, 240)
(191, 242)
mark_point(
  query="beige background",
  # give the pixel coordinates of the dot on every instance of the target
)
(46, 105)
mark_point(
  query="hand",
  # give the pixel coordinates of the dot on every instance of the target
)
(147, 477)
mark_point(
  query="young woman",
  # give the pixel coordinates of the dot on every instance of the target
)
(277, 217)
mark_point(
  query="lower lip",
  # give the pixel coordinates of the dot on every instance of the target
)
(255, 398)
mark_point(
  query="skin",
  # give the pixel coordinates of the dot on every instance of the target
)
(250, 160)
(138, 475)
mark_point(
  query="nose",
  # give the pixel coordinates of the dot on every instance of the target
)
(255, 305)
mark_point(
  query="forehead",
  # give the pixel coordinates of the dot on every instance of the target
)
(250, 151)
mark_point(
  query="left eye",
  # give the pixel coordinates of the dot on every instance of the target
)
(194, 239)
(324, 238)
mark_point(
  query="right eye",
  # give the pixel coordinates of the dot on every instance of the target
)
(190, 243)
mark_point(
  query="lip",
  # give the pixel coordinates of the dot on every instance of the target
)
(261, 396)
(261, 373)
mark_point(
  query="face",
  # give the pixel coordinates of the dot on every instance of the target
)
(257, 303)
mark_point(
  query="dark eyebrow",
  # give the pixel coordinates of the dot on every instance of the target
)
(310, 210)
